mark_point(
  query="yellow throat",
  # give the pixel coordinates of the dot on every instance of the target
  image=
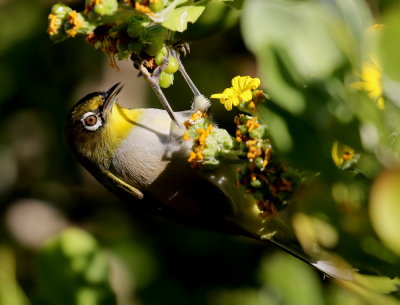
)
(98, 148)
(119, 124)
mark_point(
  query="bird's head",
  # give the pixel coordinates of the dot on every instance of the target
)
(95, 127)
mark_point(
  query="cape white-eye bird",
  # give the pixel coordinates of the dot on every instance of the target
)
(139, 153)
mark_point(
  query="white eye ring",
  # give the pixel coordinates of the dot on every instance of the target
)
(91, 125)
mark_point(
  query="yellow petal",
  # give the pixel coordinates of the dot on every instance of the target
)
(341, 152)
(240, 83)
(380, 103)
(246, 96)
(371, 73)
(371, 80)
(254, 83)
(236, 83)
(218, 95)
(227, 104)
(243, 81)
(229, 92)
(235, 101)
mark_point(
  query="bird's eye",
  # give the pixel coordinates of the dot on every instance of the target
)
(91, 121)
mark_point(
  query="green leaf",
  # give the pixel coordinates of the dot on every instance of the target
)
(390, 45)
(385, 209)
(298, 43)
(237, 4)
(178, 19)
(281, 90)
(277, 128)
(10, 291)
(303, 287)
(72, 269)
(303, 33)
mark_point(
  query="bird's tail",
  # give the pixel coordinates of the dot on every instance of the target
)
(377, 289)
(246, 216)
(282, 236)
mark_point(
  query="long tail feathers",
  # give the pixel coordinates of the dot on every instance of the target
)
(282, 236)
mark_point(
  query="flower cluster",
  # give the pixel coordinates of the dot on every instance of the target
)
(64, 22)
(118, 29)
(260, 172)
(121, 28)
(210, 143)
(371, 81)
(242, 94)
(370, 74)
(199, 141)
(263, 176)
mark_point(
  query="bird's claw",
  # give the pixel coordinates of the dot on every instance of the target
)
(181, 47)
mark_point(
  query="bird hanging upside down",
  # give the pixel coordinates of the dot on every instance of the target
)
(139, 153)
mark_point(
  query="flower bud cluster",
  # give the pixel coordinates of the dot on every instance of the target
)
(210, 143)
(118, 28)
(263, 175)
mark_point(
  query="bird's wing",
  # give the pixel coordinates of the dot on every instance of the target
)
(122, 185)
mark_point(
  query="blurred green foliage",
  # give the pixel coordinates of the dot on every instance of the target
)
(82, 271)
(308, 53)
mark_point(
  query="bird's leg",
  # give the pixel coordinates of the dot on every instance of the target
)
(200, 102)
(152, 79)
(185, 49)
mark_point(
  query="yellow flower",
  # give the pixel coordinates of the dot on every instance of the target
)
(54, 25)
(252, 124)
(228, 98)
(141, 8)
(341, 153)
(241, 91)
(371, 81)
(76, 21)
(196, 156)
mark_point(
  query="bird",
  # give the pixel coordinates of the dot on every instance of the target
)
(141, 156)
(134, 152)
(139, 153)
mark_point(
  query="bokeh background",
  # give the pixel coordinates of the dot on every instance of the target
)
(64, 239)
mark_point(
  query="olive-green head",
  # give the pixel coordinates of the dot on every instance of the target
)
(86, 126)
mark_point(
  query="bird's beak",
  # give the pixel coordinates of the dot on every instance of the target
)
(110, 97)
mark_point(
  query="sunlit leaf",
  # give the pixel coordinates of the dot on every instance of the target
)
(295, 282)
(10, 291)
(390, 44)
(177, 19)
(370, 295)
(301, 42)
(309, 47)
(385, 209)
(234, 3)
(277, 128)
(72, 269)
